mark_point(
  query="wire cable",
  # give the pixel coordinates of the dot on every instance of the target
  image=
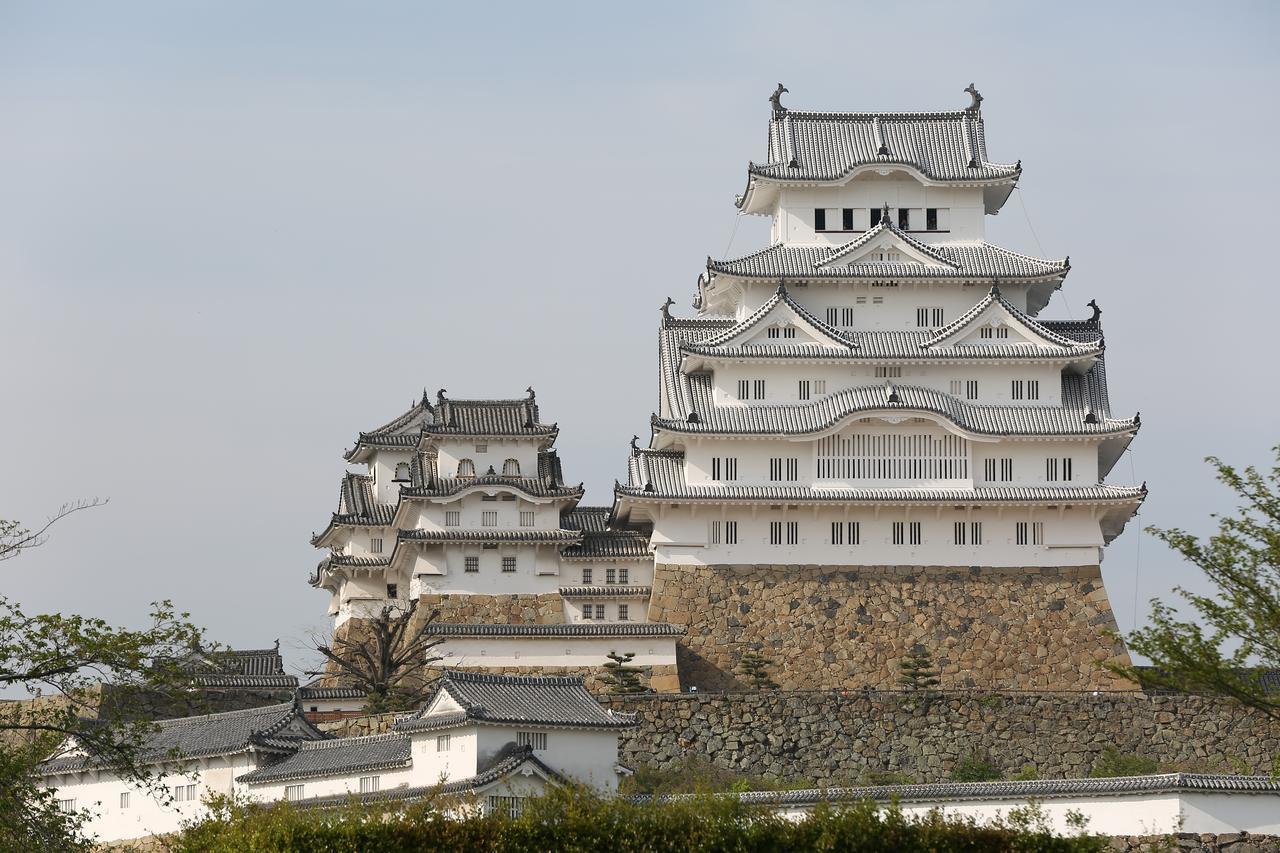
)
(1039, 247)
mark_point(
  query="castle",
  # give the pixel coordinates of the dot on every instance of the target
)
(868, 441)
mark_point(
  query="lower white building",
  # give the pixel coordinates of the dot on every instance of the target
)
(1162, 804)
(497, 739)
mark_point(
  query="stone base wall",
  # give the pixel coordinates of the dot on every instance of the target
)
(528, 609)
(833, 626)
(834, 738)
(1190, 842)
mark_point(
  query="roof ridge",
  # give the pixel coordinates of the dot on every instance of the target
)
(331, 743)
(497, 678)
(239, 712)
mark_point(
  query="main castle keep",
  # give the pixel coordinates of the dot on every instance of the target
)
(868, 440)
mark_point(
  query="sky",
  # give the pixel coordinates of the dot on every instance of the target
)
(232, 235)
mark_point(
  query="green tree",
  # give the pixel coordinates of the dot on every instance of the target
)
(622, 678)
(755, 667)
(89, 683)
(1236, 636)
(387, 657)
(916, 671)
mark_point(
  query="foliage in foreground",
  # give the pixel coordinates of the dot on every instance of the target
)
(1243, 561)
(571, 820)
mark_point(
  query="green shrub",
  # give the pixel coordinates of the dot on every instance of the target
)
(1028, 773)
(571, 820)
(975, 767)
(1112, 762)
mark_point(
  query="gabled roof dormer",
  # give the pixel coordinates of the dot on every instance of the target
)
(996, 323)
(886, 244)
(781, 313)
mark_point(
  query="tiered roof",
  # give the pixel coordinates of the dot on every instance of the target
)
(446, 417)
(824, 147)
(975, 260)
(832, 344)
(341, 755)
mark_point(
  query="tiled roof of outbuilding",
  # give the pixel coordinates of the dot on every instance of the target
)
(1031, 789)
(522, 700)
(331, 757)
(275, 728)
(821, 146)
(239, 668)
(506, 761)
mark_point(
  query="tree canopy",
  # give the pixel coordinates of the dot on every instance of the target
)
(1235, 639)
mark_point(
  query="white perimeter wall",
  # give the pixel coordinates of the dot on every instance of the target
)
(577, 652)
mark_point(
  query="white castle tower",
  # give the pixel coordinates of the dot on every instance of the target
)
(868, 439)
(463, 507)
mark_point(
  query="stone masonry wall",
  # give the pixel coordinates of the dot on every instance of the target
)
(527, 609)
(824, 626)
(827, 738)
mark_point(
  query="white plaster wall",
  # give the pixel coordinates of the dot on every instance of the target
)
(753, 457)
(1071, 537)
(639, 572)
(896, 308)
(576, 652)
(1124, 814)
(323, 786)
(794, 213)
(584, 756)
(382, 465)
(637, 609)
(782, 381)
(458, 762)
(497, 451)
(99, 793)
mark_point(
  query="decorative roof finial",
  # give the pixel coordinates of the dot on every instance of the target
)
(277, 644)
(635, 439)
(995, 287)
(666, 308)
(884, 214)
(977, 97)
(529, 391)
(776, 99)
(1097, 312)
(440, 394)
(891, 393)
(782, 286)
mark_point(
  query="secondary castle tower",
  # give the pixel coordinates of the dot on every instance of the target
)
(868, 439)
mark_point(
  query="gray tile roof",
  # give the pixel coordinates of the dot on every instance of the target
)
(659, 475)
(961, 261)
(605, 591)
(522, 700)
(581, 629)
(273, 728)
(1037, 789)
(489, 534)
(613, 545)
(507, 761)
(822, 146)
(332, 757)
(238, 669)
(589, 519)
(478, 418)
(803, 419)
(444, 487)
(841, 345)
(317, 691)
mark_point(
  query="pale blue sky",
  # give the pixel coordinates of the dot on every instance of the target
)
(234, 234)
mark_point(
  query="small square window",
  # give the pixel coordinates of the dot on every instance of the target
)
(508, 564)
(124, 799)
(622, 613)
(471, 564)
(442, 743)
(293, 793)
(393, 590)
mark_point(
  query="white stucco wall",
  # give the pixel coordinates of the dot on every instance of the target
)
(99, 794)
(869, 190)
(577, 652)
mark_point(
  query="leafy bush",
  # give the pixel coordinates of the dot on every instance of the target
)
(570, 820)
(1112, 762)
(975, 767)
(1028, 773)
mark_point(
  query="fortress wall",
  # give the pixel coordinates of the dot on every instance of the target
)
(514, 609)
(830, 738)
(850, 626)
